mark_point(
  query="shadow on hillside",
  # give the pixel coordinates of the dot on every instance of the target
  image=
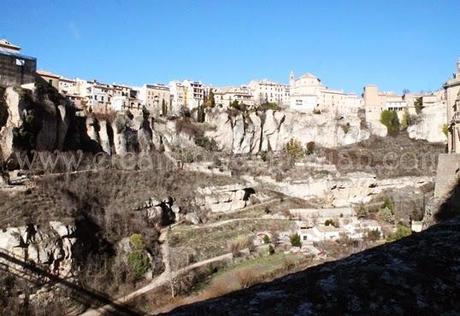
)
(84, 296)
(451, 206)
(417, 274)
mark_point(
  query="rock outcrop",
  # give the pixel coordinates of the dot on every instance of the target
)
(162, 212)
(345, 190)
(45, 121)
(49, 247)
(224, 198)
(264, 131)
(33, 121)
(418, 275)
(431, 124)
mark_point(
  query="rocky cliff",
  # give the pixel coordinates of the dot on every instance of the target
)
(41, 119)
(418, 275)
(270, 130)
(49, 247)
(430, 125)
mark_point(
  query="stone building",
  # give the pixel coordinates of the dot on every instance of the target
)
(15, 68)
(269, 91)
(452, 92)
(225, 96)
(194, 94)
(156, 98)
(185, 95)
(52, 79)
(376, 101)
(177, 93)
(308, 94)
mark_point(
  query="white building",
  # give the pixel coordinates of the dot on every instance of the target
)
(223, 97)
(376, 101)
(185, 95)
(67, 86)
(305, 92)
(308, 94)
(322, 233)
(155, 98)
(269, 91)
(194, 94)
(177, 93)
(350, 227)
(314, 216)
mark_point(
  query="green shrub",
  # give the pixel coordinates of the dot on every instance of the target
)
(137, 241)
(238, 106)
(373, 235)
(271, 250)
(310, 148)
(294, 149)
(445, 129)
(388, 203)
(418, 105)
(362, 212)
(264, 155)
(391, 121)
(295, 240)
(346, 128)
(330, 222)
(401, 232)
(386, 214)
(206, 142)
(266, 239)
(139, 263)
(405, 122)
(269, 106)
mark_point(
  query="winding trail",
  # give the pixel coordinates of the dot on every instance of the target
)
(164, 278)
(167, 276)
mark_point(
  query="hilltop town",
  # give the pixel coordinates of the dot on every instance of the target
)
(304, 94)
(137, 200)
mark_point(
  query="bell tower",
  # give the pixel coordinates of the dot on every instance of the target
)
(292, 78)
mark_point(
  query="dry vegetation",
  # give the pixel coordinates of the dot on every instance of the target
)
(102, 204)
(280, 206)
(217, 280)
(387, 157)
(208, 242)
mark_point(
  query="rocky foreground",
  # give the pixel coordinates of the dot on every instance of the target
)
(418, 275)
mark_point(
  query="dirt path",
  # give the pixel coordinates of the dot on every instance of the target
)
(159, 281)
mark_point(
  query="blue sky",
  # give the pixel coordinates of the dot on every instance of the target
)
(396, 44)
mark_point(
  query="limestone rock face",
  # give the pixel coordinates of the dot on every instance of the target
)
(144, 135)
(430, 127)
(49, 247)
(161, 212)
(271, 130)
(224, 198)
(63, 125)
(47, 135)
(92, 129)
(104, 137)
(352, 188)
(14, 108)
(378, 129)
(119, 126)
(41, 123)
